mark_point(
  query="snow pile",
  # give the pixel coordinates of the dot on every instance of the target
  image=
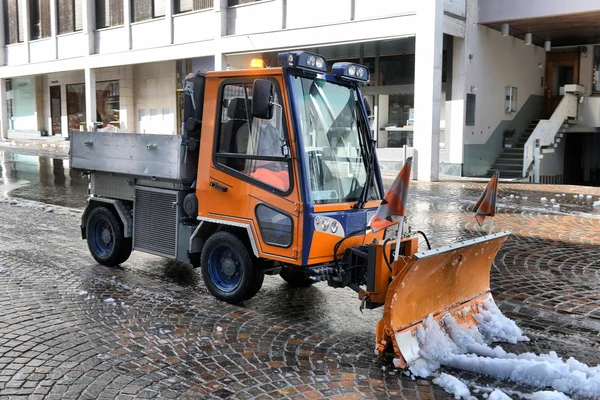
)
(589, 197)
(596, 204)
(82, 292)
(468, 349)
(547, 395)
(543, 199)
(454, 386)
(109, 300)
(498, 394)
(3, 271)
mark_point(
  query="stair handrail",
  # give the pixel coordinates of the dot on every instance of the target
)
(547, 129)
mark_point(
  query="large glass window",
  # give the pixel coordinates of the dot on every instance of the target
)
(252, 146)
(107, 106)
(335, 141)
(39, 19)
(182, 6)
(109, 13)
(14, 21)
(143, 10)
(70, 16)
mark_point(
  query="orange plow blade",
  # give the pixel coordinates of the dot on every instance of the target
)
(453, 280)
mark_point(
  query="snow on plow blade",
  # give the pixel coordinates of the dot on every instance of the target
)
(453, 279)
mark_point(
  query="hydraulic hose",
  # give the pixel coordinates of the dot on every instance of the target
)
(425, 237)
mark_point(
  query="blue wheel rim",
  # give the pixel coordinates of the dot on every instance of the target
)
(224, 268)
(103, 237)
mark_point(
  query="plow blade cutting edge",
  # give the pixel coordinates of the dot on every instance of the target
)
(453, 279)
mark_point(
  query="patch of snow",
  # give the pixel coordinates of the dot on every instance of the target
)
(498, 394)
(524, 198)
(494, 326)
(580, 195)
(589, 197)
(219, 329)
(549, 395)
(543, 199)
(512, 196)
(556, 206)
(109, 300)
(2, 270)
(82, 292)
(552, 200)
(596, 204)
(517, 197)
(453, 386)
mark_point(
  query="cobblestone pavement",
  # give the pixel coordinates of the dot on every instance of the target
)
(72, 329)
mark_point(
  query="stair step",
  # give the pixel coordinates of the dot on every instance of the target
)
(547, 150)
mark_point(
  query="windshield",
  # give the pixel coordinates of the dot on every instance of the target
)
(334, 149)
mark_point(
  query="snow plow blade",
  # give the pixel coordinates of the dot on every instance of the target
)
(453, 279)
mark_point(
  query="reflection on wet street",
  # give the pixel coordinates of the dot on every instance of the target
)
(40, 178)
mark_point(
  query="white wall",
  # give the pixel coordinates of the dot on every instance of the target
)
(497, 62)
(155, 97)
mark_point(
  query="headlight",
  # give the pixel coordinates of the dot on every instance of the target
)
(360, 72)
(334, 226)
(352, 70)
(317, 220)
(325, 225)
(320, 62)
(310, 61)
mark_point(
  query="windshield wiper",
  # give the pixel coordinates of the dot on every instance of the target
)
(365, 148)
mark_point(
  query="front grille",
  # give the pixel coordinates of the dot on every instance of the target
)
(155, 222)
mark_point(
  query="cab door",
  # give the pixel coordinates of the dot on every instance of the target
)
(252, 181)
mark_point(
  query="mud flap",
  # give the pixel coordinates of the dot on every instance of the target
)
(453, 279)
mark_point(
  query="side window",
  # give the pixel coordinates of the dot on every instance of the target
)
(252, 146)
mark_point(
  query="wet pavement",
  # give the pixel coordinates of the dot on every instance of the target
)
(72, 329)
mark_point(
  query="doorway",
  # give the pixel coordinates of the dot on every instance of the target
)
(561, 69)
(55, 110)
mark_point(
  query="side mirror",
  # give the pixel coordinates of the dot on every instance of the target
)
(262, 98)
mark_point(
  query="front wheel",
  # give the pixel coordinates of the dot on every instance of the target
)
(227, 269)
(105, 238)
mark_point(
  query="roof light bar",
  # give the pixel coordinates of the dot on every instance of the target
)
(351, 71)
(303, 60)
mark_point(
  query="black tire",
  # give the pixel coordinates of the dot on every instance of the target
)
(295, 277)
(228, 270)
(105, 238)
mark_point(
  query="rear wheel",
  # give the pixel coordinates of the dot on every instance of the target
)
(105, 238)
(227, 268)
(295, 277)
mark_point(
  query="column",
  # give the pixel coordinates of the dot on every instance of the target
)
(27, 33)
(90, 98)
(2, 37)
(3, 111)
(169, 20)
(53, 28)
(455, 108)
(127, 22)
(89, 25)
(220, 30)
(428, 88)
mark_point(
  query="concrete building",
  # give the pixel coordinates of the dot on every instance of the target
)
(445, 81)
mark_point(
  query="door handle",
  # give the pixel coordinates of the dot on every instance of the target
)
(218, 187)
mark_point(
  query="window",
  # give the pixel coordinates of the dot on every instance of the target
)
(252, 147)
(238, 2)
(107, 106)
(144, 10)
(596, 75)
(14, 21)
(70, 16)
(109, 13)
(39, 19)
(275, 227)
(182, 6)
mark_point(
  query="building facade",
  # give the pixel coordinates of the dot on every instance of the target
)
(439, 68)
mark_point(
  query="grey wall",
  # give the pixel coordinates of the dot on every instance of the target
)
(480, 157)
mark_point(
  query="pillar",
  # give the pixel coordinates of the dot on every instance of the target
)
(90, 98)
(428, 88)
(89, 25)
(169, 20)
(127, 22)
(53, 28)
(2, 37)
(3, 111)
(220, 31)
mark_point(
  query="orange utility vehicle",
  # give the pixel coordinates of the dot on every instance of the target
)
(274, 172)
